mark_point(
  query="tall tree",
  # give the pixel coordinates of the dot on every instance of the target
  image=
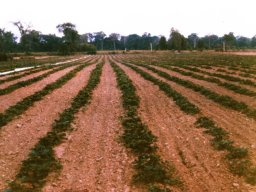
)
(7, 41)
(99, 39)
(71, 37)
(229, 40)
(177, 41)
(193, 39)
(162, 43)
(115, 38)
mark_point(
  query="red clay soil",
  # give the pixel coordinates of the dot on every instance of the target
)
(250, 101)
(93, 159)
(235, 73)
(223, 80)
(241, 128)
(20, 135)
(187, 147)
(4, 85)
(10, 99)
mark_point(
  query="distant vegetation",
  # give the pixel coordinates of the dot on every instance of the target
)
(32, 40)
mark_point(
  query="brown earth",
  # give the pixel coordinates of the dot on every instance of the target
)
(27, 77)
(250, 101)
(19, 94)
(19, 136)
(241, 128)
(188, 148)
(224, 80)
(93, 159)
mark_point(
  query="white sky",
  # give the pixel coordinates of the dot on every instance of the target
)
(134, 16)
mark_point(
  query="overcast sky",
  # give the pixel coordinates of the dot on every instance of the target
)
(134, 16)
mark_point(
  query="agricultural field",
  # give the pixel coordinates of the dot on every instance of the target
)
(149, 121)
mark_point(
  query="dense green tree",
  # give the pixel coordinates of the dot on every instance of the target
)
(50, 43)
(229, 40)
(71, 37)
(98, 40)
(162, 43)
(192, 40)
(253, 42)
(115, 37)
(243, 42)
(177, 41)
(7, 41)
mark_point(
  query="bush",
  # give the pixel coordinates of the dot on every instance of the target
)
(5, 57)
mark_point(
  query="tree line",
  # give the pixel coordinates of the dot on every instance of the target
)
(32, 40)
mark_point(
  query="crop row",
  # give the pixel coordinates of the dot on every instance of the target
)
(150, 169)
(230, 86)
(24, 104)
(41, 160)
(226, 77)
(31, 71)
(237, 157)
(25, 83)
(223, 100)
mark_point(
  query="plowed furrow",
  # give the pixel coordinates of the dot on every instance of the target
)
(20, 135)
(92, 158)
(17, 95)
(200, 167)
(241, 128)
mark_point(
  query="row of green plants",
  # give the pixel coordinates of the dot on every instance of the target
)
(28, 72)
(31, 71)
(230, 86)
(241, 73)
(42, 161)
(28, 82)
(29, 61)
(151, 171)
(226, 77)
(223, 100)
(20, 107)
(237, 158)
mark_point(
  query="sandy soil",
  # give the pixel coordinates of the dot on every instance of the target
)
(251, 101)
(10, 99)
(19, 136)
(92, 157)
(200, 167)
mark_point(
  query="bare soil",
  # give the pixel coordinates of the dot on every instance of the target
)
(241, 128)
(19, 94)
(187, 147)
(18, 137)
(4, 85)
(251, 101)
(93, 159)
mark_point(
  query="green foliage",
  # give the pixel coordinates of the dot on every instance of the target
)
(28, 82)
(5, 57)
(224, 100)
(237, 157)
(41, 160)
(24, 104)
(180, 100)
(149, 166)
